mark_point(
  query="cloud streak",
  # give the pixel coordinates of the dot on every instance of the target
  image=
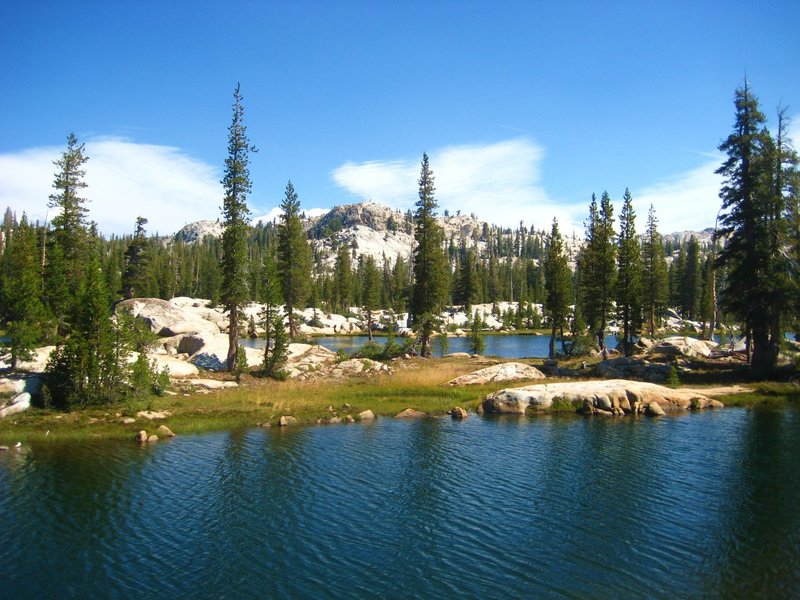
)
(687, 202)
(125, 180)
(499, 182)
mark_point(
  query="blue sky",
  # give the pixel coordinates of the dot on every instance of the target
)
(525, 108)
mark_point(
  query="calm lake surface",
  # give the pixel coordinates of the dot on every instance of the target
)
(503, 346)
(699, 505)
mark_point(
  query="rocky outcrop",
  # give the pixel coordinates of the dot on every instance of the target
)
(212, 352)
(12, 385)
(358, 366)
(178, 368)
(19, 403)
(632, 368)
(308, 361)
(38, 362)
(682, 346)
(150, 415)
(154, 312)
(510, 371)
(212, 384)
(198, 230)
(615, 396)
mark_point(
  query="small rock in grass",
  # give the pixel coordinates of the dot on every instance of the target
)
(366, 415)
(165, 431)
(141, 437)
(152, 439)
(410, 413)
(458, 413)
(286, 420)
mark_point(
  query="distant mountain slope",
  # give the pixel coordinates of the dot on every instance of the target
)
(384, 233)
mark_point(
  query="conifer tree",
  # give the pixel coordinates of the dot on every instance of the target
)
(68, 245)
(690, 284)
(597, 266)
(706, 304)
(370, 286)
(236, 183)
(477, 343)
(209, 275)
(430, 261)
(677, 271)
(23, 312)
(69, 224)
(629, 275)
(654, 271)
(293, 257)
(84, 370)
(558, 285)
(342, 280)
(753, 199)
(467, 286)
(276, 343)
(400, 285)
(134, 279)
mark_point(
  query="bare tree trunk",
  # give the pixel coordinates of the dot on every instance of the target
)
(233, 338)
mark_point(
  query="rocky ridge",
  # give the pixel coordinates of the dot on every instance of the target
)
(386, 234)
(613, 397)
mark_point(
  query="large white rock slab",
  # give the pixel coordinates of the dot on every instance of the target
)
(177, 368)
(211, 352)
(19, 403)
(682, 346)
(608, 395)
(39, 361)
(510, 371)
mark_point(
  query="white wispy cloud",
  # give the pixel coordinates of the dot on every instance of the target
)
(688, 201)
(125, 180)
(498, 182)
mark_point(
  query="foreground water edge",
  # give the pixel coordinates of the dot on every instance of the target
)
(693, 505)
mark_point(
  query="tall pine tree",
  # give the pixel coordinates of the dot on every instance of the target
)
(655, 288)
(430, 265)
(293, 257)
(597, 266)
(23, 312)
(276, 343)
(558, 285)
(629, 275)
(68, 251)
(236, 182)
(753, 226)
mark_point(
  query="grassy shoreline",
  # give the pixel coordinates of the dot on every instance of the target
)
(414, 384)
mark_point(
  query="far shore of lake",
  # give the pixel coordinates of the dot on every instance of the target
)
(414, 383)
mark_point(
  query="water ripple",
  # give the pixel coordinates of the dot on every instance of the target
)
(695, 505)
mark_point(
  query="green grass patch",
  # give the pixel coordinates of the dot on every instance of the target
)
(766, 394)
(416, 385)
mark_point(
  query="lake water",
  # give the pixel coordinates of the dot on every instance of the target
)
(698, 505)
(503, 346)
